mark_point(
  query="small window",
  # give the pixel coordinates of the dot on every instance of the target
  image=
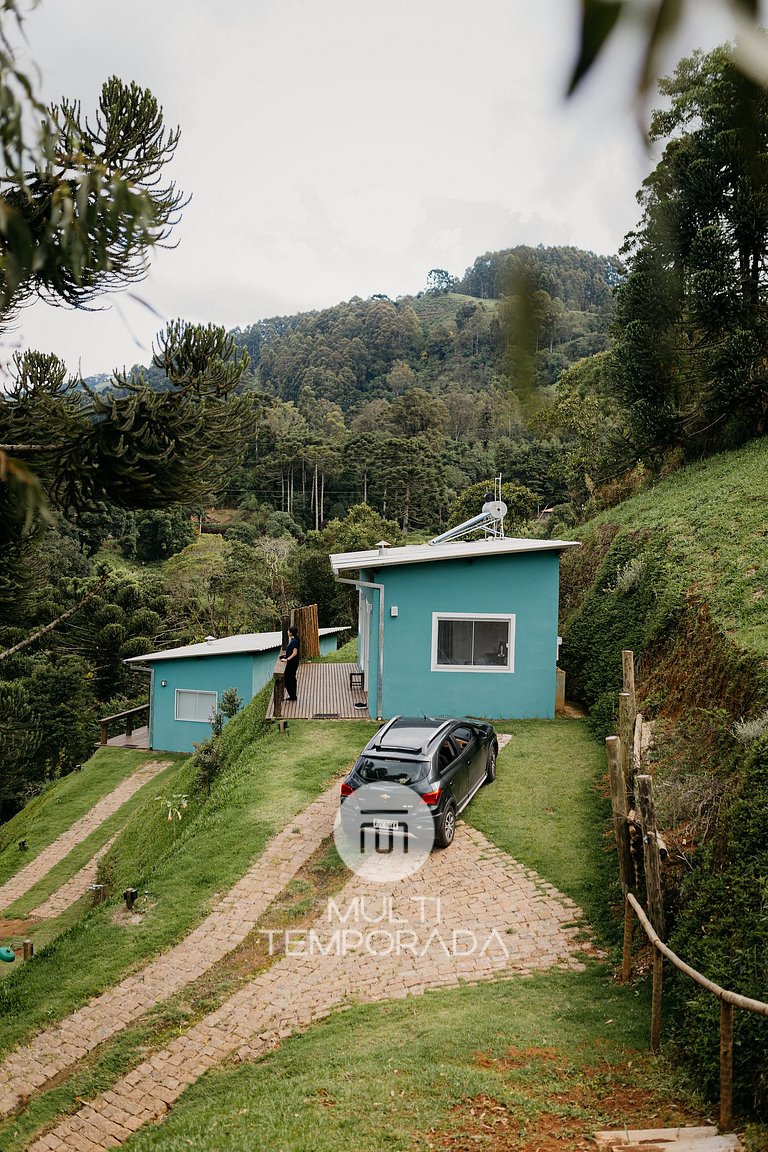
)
(463, 736)
(196, 706)
(481, 642)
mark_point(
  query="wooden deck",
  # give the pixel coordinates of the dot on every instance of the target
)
(323, 693)
(139, 738)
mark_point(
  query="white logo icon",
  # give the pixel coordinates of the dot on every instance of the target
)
(384, 836)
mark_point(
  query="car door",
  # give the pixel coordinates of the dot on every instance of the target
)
(452, 771)
(472, 754)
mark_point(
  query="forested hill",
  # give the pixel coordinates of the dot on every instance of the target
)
(453, 336)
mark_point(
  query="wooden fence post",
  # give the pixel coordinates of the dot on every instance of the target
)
(278, 690)
(626, 946)
(624, 856)
(628, 676)
(651, 857)
(658, 977)
(627, 737)
(619, 810)
(726, 1064)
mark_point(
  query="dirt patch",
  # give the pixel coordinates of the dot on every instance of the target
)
(14, 928)
(555, 1106)
(700, 669)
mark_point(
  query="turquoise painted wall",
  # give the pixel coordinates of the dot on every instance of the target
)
(202, 674)
(525, 584)
(248, 672)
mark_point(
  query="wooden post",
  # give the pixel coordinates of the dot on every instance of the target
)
(619, 810)
(651, 858)
(28, 950)
(626, 735)
(103, 734)
(658, 976)
(559, 691)
(626, 950)
(305, 619)
(628, 676)
(726, 1065)
(278, 690)
(129, 726)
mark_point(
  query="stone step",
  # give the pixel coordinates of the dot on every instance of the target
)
(705, 1139)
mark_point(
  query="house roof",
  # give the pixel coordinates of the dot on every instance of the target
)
(224, 646)
(451, 550)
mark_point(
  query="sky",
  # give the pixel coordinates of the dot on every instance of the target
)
(339, 148)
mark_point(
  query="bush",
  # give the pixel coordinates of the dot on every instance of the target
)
(721, 931)
(629, 605)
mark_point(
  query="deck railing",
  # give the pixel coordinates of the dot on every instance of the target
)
(127, 716)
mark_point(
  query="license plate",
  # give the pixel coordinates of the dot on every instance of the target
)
(387, 825)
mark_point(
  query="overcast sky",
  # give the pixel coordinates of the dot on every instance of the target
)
(338, 148)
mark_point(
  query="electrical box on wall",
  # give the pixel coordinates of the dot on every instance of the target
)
(393, 610)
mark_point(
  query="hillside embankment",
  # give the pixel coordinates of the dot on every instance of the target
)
(679, 574)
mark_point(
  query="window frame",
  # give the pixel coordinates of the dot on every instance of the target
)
(505, 617)
(195, 692)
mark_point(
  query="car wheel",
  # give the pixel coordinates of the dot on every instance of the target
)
(490, 769)
(446, 827)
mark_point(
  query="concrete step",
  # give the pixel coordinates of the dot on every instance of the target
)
(706, 1139)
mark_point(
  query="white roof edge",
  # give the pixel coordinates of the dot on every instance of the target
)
(243, 644)
(452, 550)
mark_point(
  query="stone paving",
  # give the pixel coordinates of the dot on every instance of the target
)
(51, 1052)
(493, 918)
(73, 889)
(30, 875)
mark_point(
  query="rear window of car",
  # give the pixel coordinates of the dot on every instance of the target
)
(373, 768)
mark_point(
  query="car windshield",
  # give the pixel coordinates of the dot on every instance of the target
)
(372, 768)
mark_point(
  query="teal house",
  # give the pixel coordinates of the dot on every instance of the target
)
(464, 628)
(186, 683)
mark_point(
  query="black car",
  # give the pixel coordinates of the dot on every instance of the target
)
(442, 762)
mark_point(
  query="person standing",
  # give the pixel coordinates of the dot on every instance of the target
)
(291, 662)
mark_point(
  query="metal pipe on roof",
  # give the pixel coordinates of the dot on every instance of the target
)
(380, 589)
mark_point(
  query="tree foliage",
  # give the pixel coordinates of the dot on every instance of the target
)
(691, 316)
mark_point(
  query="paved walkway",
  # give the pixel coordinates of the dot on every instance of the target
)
(493, 919)
(73, 889)
(16, 887)
(51, 1052)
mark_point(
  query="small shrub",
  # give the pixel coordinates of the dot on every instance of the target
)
(630, 576)
(746, 731)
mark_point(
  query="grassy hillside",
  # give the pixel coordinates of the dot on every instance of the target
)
(679, 574)
(712, 519)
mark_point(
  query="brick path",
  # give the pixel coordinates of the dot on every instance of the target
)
(57, 1048)
(494, 919)
(73, 889)
(514, 924)
(14, 888)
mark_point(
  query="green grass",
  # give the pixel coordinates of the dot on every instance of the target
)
(547, 810)
(269, 779)
(390, 1076)
(347, 654)
(712, 519)
(56, 809)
